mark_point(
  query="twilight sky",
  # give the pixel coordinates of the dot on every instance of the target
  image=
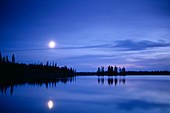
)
(88, 33)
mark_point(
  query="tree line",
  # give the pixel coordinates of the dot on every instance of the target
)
(6, 59)
(111, 71)
(11, 69)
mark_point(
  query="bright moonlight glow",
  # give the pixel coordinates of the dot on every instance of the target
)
(50, 104)
(52, 44)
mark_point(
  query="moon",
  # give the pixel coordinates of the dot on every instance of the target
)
(51, 44)
(50, 104)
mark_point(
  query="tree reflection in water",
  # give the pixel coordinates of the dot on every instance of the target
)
(5, 85)
(111, 81)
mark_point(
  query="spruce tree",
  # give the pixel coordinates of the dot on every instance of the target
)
(47, 64)
(115, 70)
(13, 58)
(7, 60)
(123, 70)
(98, 70)
(3, 60)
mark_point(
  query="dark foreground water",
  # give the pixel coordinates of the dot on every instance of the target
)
(89, 94)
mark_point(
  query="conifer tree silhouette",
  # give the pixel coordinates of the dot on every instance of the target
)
(47, 64)
(111, 70)
(3, 60)
(7, 60)
(115, 70)
(13, 58)
(102, 70)
(123, 70)
(98, 70)
(120, 70)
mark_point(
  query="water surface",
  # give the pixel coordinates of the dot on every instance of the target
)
(89, 94)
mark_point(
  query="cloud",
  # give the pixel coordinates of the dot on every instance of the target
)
(87, 47)
(125, 45)
(129, 45)
(62, 48)
(140, 45)
(89, 56)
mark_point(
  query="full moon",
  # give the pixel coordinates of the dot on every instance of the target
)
(50, 104)
(51, 44)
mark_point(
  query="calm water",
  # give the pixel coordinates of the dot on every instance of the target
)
(89, 94)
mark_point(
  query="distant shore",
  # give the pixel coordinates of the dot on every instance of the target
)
(126, 73)
(12, 71)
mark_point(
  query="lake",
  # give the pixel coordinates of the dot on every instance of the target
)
(89, 94)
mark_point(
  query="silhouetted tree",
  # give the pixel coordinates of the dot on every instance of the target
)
(102, 70)
(3, 60)
(115, 70)
(71, 70)
(108, 70)
(13, 58)
(41, 64)
(98, 70)
(123, 70)
(120, 70)
(7, 60)
(47, 64)
(111, 70)
(55, 64)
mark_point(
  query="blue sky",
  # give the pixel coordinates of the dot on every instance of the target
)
(88, 33)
